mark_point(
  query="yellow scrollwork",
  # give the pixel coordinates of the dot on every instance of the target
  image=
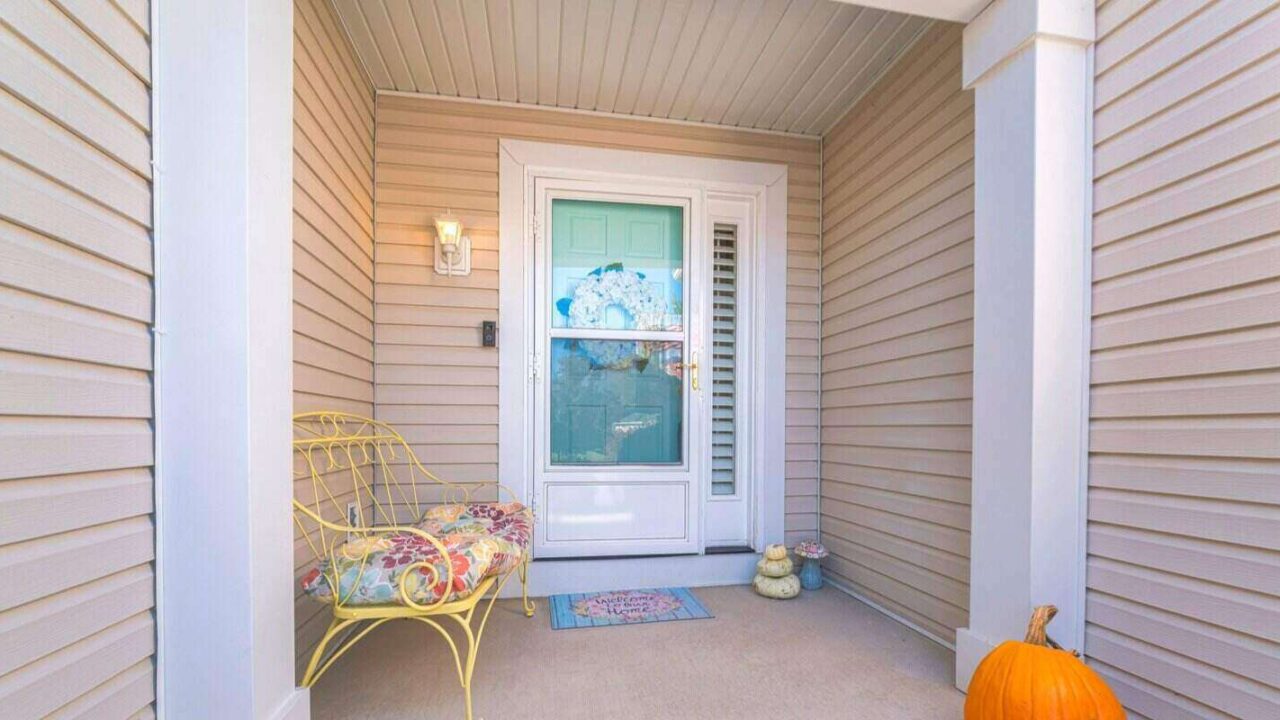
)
(357, 465)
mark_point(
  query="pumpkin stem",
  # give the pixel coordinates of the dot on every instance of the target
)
(1040, 618)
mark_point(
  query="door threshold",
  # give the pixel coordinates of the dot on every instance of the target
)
(729, 550)
(719, 550)
(550, 576)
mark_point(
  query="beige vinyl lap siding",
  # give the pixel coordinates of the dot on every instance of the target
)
(77, 627)
(897, 326)
(435, 382)
(1184, 500)
(333, 245)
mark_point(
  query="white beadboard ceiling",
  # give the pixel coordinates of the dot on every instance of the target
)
(784, 65)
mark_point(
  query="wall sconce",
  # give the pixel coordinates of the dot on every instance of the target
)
(453, 250)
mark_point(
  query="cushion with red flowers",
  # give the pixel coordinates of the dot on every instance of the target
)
(508, 524)
(368, 570)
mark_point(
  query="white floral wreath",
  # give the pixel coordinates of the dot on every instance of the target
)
(616, 286)
(605, 287)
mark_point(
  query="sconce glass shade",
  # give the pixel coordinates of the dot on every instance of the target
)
(452, 250)
(448, 230)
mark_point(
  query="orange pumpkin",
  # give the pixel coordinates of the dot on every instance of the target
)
(1031, 680)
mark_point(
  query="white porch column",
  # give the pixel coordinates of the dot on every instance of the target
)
(1027, 61)
(223, 154)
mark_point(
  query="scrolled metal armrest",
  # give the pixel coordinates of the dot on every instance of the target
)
(374, 530)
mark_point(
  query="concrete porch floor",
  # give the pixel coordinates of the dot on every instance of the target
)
(822, 655)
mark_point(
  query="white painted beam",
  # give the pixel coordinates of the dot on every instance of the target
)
(223, 169)
(1027, 61)
(953, 10)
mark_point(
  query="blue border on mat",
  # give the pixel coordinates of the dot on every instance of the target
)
(563, 617)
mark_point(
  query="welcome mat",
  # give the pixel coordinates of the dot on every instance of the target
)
(625, 607)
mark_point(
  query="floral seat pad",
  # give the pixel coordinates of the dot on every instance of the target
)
(507, 524)
(369, 569)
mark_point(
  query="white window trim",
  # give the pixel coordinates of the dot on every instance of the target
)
(519, 162)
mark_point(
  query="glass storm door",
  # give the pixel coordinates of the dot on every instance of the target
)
(618, 401)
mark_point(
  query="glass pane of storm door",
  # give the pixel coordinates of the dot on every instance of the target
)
(616, 333)
(616, 402)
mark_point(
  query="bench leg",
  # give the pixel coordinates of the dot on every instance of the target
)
(529, 607)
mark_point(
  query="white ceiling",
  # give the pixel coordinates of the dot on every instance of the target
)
(789, 65)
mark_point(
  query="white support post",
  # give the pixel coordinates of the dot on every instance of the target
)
(1026, 59)
(223, 176)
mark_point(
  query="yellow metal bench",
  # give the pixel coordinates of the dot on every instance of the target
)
(392, 541)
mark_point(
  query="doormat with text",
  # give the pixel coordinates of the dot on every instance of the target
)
(625, 607)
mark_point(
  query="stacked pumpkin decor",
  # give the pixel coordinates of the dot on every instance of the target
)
(1037, 680)
(774, 576)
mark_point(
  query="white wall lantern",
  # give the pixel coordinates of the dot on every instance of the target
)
(453, 250)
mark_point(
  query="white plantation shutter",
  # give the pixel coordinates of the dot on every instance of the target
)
(724, 297)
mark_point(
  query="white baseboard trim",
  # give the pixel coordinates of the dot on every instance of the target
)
(886, 611)
(295, 707)
(552, 577)
(970, 649)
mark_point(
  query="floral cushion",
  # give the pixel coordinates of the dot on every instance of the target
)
(507, 524)
(369, 569)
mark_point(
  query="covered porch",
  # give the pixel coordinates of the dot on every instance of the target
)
(822, 655)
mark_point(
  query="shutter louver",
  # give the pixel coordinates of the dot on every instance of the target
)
(724, 296)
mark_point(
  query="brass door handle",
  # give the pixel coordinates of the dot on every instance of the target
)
(693, 372)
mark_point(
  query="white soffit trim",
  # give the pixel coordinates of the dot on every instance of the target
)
(954, 10)
(603, 114)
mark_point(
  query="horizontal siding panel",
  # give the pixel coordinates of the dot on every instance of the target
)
(132, 688)
(108, 25)
(897, 336)
(36, 507)
(46, 625)
(42, 386)
(333, 267)
(62, 155)
(1183, 575)
(37, 202)
(32, 77)
(48, 267)
(39, 326)
(76, 489)
(58, 679)
(98, 551)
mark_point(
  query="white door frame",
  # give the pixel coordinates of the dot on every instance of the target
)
(519, 162)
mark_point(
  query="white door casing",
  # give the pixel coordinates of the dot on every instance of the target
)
(727, 184)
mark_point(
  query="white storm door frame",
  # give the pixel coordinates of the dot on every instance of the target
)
(647, 485)
(520, 162)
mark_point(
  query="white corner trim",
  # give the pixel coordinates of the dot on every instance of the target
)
(1006, 27)
(519, 161)
(970, 650)
(1086, 365)
(297, 706)
(160, 557)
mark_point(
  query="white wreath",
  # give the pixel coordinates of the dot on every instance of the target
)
(624, 288)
